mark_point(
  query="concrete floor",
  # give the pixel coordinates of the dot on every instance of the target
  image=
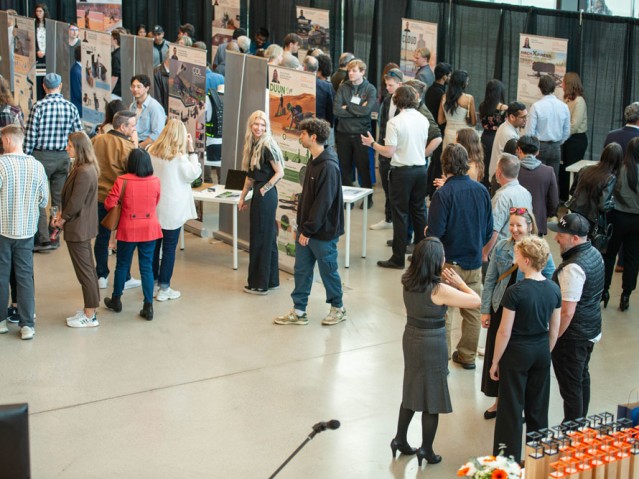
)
(211, 388)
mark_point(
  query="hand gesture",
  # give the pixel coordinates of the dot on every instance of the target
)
(242, 205)
(189, 142)
(367, 140)
(439, 182)
(451, 278)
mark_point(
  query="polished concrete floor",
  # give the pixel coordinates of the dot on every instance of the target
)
(211, 388)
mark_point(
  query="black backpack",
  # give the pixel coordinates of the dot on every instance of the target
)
(214, 126)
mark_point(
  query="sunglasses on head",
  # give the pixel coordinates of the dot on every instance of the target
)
(518, 211)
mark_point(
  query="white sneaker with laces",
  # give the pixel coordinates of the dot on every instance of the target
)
(167, 293)
(291, 318)
(83, 321)
(3, 327)
(103, 283)
(382, 225)
(132, 283)
(334, 316)
(77, 314)
(27, 332)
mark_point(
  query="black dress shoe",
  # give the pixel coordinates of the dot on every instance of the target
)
(403, 448)
(605, 297)
(490, 414)
(456, 359)
(113, 303)
(624, 303)
(390, 264)
(147, 311)
(431, 458)
(389, 242)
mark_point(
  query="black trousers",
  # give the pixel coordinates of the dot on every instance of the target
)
(407, 192)
(384, 169)
(487, 140)
(351, 154)
(550, 155)
(434, 171)
(524, 386)
(263, 271)
(570, 360)
(625, 231)
(572, 151)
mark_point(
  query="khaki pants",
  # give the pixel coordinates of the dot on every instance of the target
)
(471, 318)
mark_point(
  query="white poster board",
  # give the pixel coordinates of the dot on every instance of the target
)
(99, 15)
(226, 19)
(96, 76)
(312, 25)
(540, 56)
(416, 35)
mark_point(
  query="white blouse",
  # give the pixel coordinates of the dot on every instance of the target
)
(578, 115)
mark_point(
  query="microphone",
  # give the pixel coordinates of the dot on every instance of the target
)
(323, 426)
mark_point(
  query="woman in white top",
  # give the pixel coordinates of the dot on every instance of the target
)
(41, 13)
(176, 164)
(457, 108)
(574, 149)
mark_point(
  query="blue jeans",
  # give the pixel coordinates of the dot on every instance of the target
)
(18, 252)
(163, 270)
(145, 262)
(325, 253)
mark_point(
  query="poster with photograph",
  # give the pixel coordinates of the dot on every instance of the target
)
(540, 56)
(99, 15)
(416, 35)
(96, 76)
(187, 91)
(291, 100)
(24, 63)
(226, 18)
(313, 28)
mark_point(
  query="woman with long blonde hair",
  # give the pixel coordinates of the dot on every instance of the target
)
(79, 219)
(574, 148)
(262, 158)
(176, 164)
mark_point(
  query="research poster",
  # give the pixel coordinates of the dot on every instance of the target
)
(99, 15)
(226, 18)
(540, 56)
(24, 63)
(416, 35)
(187, 91)
(96, 76)
(313, 28)
(291, 99)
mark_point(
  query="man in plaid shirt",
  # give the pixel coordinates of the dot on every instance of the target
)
(50, 122)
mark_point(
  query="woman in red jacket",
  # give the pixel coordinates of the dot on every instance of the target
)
(138, 227)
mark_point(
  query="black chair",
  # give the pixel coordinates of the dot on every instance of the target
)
(14, 442)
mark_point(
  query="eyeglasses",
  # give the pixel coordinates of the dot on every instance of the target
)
(393, 74)
(518, 211)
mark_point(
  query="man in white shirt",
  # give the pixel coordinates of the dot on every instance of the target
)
(549, 120)
(407, 146)
(515, 119)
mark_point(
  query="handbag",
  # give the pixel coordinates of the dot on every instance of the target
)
(601, 234)
(112, 218)
(629, 410)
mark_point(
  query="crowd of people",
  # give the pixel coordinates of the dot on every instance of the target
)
(479, 246)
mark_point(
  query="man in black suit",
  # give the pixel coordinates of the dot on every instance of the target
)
(628, 132)
(323, 93)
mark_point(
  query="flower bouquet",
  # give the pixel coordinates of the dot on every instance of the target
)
(491, 467)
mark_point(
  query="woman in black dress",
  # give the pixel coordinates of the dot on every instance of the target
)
(492, 113)
(428, 291)
(526, 336)
(263, 161)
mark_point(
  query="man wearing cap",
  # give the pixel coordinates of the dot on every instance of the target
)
(50, 122)
(581, 279)
(160, 46)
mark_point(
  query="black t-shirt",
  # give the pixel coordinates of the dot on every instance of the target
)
(266, 170)
(533, 303)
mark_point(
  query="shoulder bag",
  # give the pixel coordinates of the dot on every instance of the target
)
(112, 218)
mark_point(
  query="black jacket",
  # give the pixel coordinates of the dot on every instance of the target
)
(354, 119)
(320, 213)
(115, 69)
(161, 86)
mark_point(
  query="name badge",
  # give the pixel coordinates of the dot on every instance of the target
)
(356, 100)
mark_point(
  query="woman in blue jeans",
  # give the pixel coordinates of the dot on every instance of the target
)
(139, 193)
(176, 164)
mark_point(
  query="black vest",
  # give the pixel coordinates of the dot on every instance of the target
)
(586, 323)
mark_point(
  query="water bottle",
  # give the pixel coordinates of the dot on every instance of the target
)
(55, 231)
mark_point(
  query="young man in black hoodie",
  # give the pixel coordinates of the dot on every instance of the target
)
(320, 223)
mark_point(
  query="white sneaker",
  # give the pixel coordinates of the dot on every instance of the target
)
(156, 288)
(291, 318)
(132, 283)
(27, 332)
(167, 293)
(334, 316)
(103, 283)
(77, 314)
(83, 322)
(3, 327)
(382, 225)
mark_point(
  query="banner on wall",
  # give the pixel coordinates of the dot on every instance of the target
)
(99, 15)
(313, 28)
(24, 63)
(187, 91)
(226, 19)
(540, 56)
(291, 99)
(96, 77)
(416, 35)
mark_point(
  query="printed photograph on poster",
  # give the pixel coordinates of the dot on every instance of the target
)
(96, 76)
(291, 99)
(416, 35)
(313, 28)
(24, 60)
(187, 91)
(226, 19)
(540, 56)
(99, 15)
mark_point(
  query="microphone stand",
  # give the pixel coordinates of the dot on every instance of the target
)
(316, 429)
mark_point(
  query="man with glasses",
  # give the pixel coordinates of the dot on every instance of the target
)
(515, 120)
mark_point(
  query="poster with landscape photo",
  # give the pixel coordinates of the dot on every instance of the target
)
(99, 15)
(312, 25)
(226, 19)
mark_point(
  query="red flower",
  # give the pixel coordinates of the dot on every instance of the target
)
(463, 471)
(499, 474)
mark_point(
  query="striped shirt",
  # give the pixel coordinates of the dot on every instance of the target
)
(50, 122)
(23, 191)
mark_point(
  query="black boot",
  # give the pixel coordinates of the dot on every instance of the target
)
(147, 311)
(624, 304)
(113, 303)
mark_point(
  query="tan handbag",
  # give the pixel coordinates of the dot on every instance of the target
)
(112, 218)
